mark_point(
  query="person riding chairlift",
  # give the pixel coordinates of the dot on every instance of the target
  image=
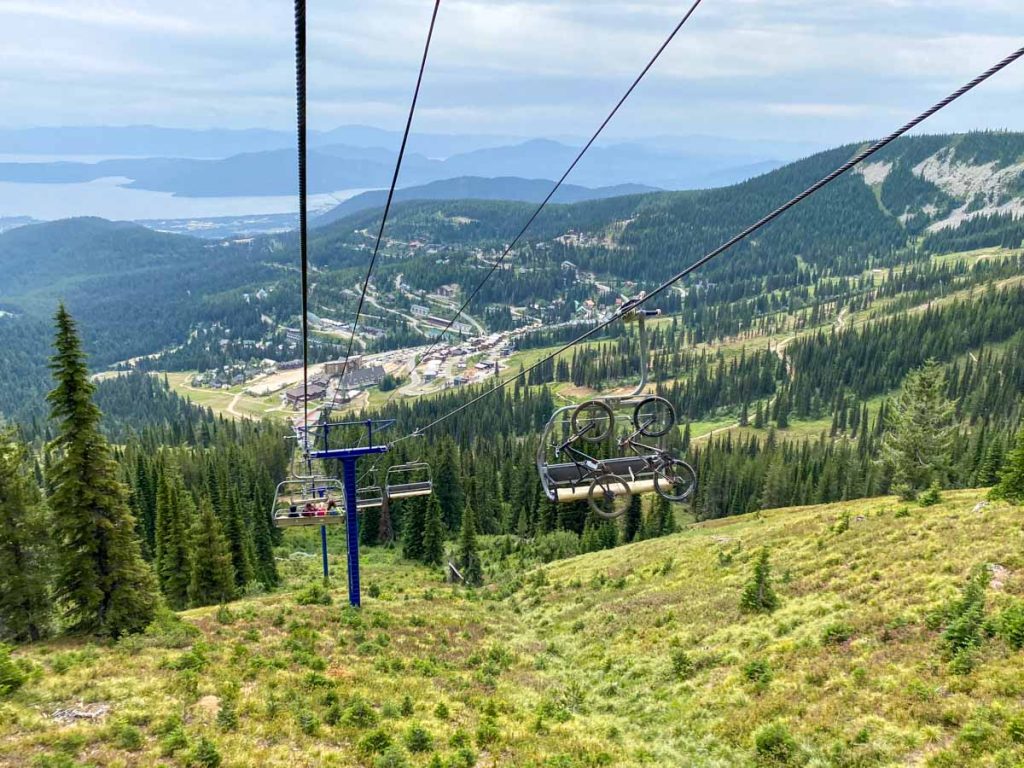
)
(332, 508)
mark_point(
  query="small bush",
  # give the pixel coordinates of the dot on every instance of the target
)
(407, 708)
(227, 717)
(758, 595)
(932, 496)
(128, 737)
(1010, 626)
(836, 633)
(487, 732)
(309, 723)
(204, 755)
(374, 743)
(902, 512)
(11, 675)
(392, 758)
(758, 671)
(774, 745)
(315, 594)
(174, 740)
(359, 714)
(373, 591)
(682, 665)
(441, 711)
(224, 615)
(418, 739)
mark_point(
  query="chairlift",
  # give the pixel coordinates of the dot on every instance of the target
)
(567, 473)
(307, 501)
(406, 480)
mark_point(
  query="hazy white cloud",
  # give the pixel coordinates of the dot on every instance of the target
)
(827, 71)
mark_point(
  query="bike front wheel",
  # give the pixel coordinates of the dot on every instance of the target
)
(609, 496)
(675, 480)
(593, 421)
(654, 416)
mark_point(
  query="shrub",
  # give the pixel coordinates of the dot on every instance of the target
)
(418, 739)
(758, 671)
(204, 755)
(965, 619)
(682, 665)
(315, 594)
(441, 711)
(224, 615)
(932, 496)
(374, 743)
(174, 740)
(359, 714)
(464, 757)
(227, 717)
(774, 745)
(487, 732)
(11, 675)
(836, 633)
(309, 723)
(128, 737)
(373, 591)
(407, 708)
(1010, 626)
(168, 630)
(392, 758)
(902, 512)
(758, 595)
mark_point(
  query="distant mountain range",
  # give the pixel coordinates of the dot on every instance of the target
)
(477, 188)
(335, 167)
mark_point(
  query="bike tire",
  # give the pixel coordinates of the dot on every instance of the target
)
(664, 416)
(675, 481)
(609, 496)
(593, 421)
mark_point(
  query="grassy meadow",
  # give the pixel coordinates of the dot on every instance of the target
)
(638, 656)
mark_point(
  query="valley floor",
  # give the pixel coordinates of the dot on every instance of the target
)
(634, 656)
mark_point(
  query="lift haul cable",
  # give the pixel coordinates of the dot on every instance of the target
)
(300, 103)
(861, 156)
(565, 175)
(391, 194)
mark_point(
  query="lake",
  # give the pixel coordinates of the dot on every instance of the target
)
(109, 199)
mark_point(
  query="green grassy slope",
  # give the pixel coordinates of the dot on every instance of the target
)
(628, 657)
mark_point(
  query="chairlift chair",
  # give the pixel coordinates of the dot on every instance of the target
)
(406, 480)
(608, 484)
(307, 501)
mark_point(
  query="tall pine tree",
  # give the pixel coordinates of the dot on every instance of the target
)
(433, 533)
(212, 579)
(174, 512)
(469, 555)
(102, 584)
(25, 607)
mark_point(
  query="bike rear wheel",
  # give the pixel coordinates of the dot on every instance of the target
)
(654, 416)
(609, 496)
(675, 480)
(593, 421)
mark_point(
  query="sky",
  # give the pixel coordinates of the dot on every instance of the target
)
(821, 71)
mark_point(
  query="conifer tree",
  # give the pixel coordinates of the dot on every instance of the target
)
(433, 533)
(634, 520)
(237, 533)
(173, 517)
(414, 516)
(212, 578)
(468, 554)
(917, 445)
(102, 583)
(448, 485)
(758, 595)
(265, 564)
(25, 607)
(1011, 479)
